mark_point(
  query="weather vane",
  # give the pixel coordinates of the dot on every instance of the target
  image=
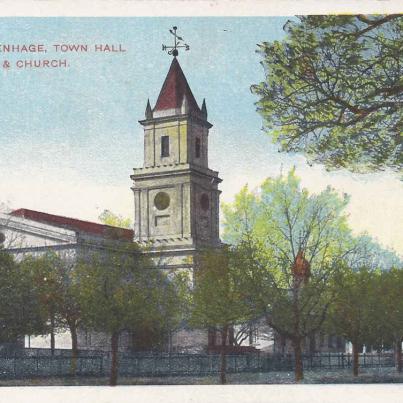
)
(173, 50)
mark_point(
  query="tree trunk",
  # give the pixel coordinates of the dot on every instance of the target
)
(52, 334)
(223, 356)
(355, 358)
(296, 340)
(299, 370)
(114, 364)
(399, 355)
(74, 348)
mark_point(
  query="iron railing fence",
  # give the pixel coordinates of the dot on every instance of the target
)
(35, 363)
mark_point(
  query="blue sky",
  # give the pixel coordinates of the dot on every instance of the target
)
(70, 137)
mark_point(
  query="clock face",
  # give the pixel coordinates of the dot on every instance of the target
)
(162, 201)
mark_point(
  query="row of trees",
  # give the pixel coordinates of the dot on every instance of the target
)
(111, 290)
(291, 260)
(297, 265)
(367, 309)
(362, 305)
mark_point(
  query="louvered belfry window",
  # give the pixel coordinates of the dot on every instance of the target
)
(165, 146)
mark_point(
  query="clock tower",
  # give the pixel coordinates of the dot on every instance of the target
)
(176, 196)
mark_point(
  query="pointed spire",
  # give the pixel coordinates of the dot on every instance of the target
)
(173, 91)
(149, 111)
(204, 109)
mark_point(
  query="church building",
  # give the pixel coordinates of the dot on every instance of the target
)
(176, 200)
(176, 211)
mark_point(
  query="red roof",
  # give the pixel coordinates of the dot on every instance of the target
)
(174, 89)
(105, 231)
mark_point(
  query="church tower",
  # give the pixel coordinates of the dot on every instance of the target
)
(176, 196)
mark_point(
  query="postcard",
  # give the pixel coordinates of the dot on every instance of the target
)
(200, 194)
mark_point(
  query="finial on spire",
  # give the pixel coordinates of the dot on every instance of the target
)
(149, 111)
(204, 109)
(177, 44)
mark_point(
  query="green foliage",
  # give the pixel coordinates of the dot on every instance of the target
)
(43, 271)
(114, 220)
(119, 289)
(270, 228)
(365, 251)
(391, 304)
(218, 299)
(20, 312)
(357, 310)
(52, 277)
(333, 90)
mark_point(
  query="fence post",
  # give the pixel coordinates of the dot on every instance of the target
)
(200, 365)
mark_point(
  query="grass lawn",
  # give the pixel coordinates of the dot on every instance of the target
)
(370, 375)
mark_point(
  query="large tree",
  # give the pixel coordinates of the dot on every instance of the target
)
(290, 245)
(120, 290)
(52, 277)
(334, 90)
(357, 309)
(218, 299)
(391, 301)
(43, 271)
(20, 312)
(367, 307)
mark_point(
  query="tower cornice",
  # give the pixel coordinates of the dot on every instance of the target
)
(174, 170)
(184, 117)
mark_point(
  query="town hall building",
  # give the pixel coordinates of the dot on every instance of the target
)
(176, 200)
(176, 204)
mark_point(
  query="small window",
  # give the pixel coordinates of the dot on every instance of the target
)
(165, 146)
(198, 147)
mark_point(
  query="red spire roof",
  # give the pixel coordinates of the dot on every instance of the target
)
(174, 89)
(74, 224)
